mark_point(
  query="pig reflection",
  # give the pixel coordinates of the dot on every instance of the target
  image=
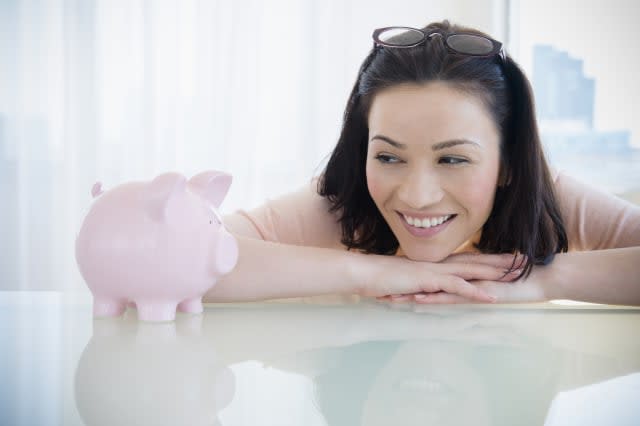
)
(159, 245)
(136, 373)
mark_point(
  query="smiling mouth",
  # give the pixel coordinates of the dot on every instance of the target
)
(427, 222)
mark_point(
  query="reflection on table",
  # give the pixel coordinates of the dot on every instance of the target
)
(315, 363)
(367, 364)
(134, 373)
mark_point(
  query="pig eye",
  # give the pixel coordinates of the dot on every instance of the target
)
(216, 217)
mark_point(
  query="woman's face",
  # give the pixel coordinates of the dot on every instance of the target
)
(433, 162)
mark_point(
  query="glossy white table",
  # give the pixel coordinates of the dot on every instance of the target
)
(316, 363)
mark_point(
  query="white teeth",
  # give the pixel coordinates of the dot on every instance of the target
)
(426, 222)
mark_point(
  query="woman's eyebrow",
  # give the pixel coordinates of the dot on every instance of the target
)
(454, 142)
(389, 141)
(436, 147)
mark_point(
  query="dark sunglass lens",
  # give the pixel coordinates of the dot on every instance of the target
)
(401, 37)
(470, 44)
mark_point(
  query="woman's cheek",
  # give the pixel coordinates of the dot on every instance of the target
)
(481, 193)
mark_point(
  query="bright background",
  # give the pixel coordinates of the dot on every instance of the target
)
(120, 90)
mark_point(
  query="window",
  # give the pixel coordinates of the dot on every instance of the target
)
(580, 60)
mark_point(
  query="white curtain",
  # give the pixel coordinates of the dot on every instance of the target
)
(113, 91)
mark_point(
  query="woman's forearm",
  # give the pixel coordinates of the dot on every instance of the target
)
(267, 270)
(602, 276)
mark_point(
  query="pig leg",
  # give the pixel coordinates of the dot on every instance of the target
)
(192, 306)
(108, 306)
(156, 311)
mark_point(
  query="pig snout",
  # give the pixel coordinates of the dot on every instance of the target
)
(225, 253)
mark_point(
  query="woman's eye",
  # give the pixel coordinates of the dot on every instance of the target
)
(452, 160)
(387, 159)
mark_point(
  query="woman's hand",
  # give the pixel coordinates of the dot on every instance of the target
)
(472, 267)
(599, 276)
(531, 289)
(398, 278)
(525, 290)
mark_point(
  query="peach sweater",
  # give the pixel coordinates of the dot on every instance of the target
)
(594, 220)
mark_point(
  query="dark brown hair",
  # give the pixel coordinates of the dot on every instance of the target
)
(525, 217)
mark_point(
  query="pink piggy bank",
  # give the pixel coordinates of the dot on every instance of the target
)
(159, 245)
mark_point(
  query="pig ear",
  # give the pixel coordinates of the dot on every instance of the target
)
(160, 191)
(212, 185)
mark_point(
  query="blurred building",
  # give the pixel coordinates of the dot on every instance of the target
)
(563, 92)
(564, 105)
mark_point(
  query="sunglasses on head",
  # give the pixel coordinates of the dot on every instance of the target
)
(460, 43)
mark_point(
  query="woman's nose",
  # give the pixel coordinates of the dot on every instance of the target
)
(420, 189)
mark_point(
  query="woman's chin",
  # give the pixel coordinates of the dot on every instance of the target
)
(421, 256)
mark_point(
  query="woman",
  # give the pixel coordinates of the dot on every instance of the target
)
(438, 192)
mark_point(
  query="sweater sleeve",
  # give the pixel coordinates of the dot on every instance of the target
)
(594, 219)
(299, 218)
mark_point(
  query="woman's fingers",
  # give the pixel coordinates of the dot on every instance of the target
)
(396, 298)
(529, 291)
(504, 261)
(455, 285)
(443, 284)
(478, 271)
(440, 298)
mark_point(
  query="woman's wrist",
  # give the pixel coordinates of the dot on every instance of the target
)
(539, 277)
(358, 269)
(599, 276)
